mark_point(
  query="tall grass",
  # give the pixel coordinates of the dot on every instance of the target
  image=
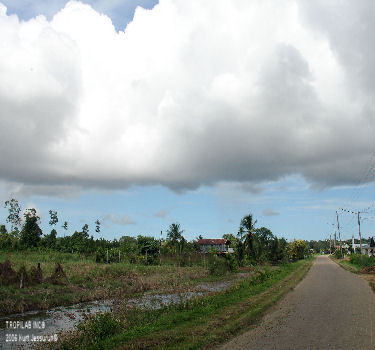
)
(355, 259)
(88, 280)
(177, 322)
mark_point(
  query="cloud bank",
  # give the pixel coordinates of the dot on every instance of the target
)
(191, 93)
(270, 212)
(121, 220)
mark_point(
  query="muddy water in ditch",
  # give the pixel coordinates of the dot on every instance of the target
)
(24, 330)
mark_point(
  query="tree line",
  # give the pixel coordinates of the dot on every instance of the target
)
(251, 245)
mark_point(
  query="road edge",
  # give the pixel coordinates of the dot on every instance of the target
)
(353, 270)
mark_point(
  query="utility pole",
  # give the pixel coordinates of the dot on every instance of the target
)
(353, 244)
(334, 240)
(161, 233)
(338, 229)
(360, 238)
(330, 244)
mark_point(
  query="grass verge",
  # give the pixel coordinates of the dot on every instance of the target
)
(355, 268)
(345, 264)
(197, 324)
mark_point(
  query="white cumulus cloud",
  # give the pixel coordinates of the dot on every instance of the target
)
(190, 93)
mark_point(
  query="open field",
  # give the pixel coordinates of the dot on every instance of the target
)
(196, 324)
(89, 280)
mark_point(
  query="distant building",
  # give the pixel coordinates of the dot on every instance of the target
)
(221, 245)
(367, 249)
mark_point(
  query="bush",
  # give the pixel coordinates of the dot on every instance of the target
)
(231, 262)
(217, 266)
(220, 265)
(100, 327)
(100, 255)
(8, 241)
(298, 250)
(355, 259)
(338, 254)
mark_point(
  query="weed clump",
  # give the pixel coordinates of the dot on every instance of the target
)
(100, 327)
(58, 276)
(368, 269)
(7, 275)
(220, 265)
(355, 259)
(36, 275)
(23, 277)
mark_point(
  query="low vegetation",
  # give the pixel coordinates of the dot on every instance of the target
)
(355, 259)
(88, 280)
(47, 270)
(364, 267)
(195, 324)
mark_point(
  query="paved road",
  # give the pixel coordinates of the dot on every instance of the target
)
(330, 309)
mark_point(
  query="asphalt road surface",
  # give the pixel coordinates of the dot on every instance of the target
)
(330, 309)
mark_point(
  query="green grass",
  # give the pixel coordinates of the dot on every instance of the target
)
(349, 266)
(88, 280)
(197, 324)
(354, 263)
(355, 259)
(91, 281)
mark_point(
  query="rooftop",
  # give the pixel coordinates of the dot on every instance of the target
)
(213, 241)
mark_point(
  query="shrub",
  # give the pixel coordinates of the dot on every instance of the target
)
(100, 255)
(298, 250)
(367, 260)
(100, 327)
(217, 266)
(338, 254)
(231, 262)
(220, 265)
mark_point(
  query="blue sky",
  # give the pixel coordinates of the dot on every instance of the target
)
(288, 207)
(192, 113)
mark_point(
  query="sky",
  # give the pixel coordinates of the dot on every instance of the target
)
(145, 113)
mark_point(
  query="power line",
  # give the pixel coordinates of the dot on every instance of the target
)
(361, 183)
(359, 186)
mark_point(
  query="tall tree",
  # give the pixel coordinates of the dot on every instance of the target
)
(14, 213)
(248, 226)
(174, 235)
(231, 238)
(97, 223)
(53, 218)
(85, 230)
(264, 241)
(240, 249)
(31, 232)
(3, 230)
(65, 225)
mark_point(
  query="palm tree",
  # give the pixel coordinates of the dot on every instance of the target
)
(174, 234)
(248, 225)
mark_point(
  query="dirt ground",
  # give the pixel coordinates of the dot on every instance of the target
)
(330, 309)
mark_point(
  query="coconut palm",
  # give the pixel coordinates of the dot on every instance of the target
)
(248, 225)
(174, 235)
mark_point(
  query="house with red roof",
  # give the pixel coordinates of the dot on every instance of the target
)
(221, 245)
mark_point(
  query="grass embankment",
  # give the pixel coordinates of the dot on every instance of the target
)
(88, 280)
(353, 264)
(197, 324)
(346, 264)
